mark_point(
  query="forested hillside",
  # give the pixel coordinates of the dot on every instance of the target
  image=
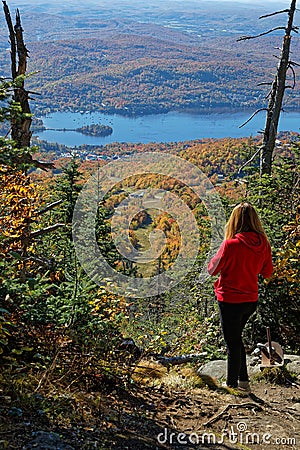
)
(83, 364)
(135, 74)
(136, 66)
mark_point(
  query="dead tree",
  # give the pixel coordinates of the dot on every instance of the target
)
(277, 90)
(21, 137)
(20, 123)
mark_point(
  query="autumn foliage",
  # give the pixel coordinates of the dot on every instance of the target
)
(19, 200)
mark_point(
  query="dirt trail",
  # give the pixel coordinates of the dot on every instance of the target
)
(156, 417)
(161, 418)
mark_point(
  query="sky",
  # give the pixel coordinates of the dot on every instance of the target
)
(253, 2)
(233, 1)
(276, 3)
(46, 4)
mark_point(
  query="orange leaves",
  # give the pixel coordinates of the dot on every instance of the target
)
(18, 203)
(108, 306)
(219, 156)
(162, 222)
(287, 266)
(56, 276)
(171, 230)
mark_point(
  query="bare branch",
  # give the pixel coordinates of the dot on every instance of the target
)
(251, 117)
(49, 207)
(26, 158)
(292, 63)
(268, 95)
(294, 76)
(265, 84)
(18, 88)
(34, 93)
(250, 160)
(47, 230)
(7, 134)
(244, 38)
(42, 165)
(274, 13)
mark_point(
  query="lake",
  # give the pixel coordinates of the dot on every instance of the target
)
(169, 127)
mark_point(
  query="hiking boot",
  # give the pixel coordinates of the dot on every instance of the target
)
(245, 386)
(238, 390)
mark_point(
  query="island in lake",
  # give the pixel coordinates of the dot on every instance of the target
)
(95, 130)
(89, 130)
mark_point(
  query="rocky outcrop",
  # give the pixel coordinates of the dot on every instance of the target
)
(217, 369)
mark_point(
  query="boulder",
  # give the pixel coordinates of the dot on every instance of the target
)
(292, 363)
(253, 364)
(47, 441)
(214, 369)
(217, 368)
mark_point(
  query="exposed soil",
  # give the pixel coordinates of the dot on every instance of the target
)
(154, 417)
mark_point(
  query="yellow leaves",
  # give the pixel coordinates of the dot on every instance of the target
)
(287, 266)
(19, 200)
(109, 306)
(56, 276)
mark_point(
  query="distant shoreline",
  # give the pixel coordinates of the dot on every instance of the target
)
(126, 113)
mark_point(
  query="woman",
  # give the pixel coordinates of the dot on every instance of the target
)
(244, 254)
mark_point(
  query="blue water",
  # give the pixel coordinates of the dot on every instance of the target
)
(170, 127)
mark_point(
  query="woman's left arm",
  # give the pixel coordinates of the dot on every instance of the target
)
(217, 262)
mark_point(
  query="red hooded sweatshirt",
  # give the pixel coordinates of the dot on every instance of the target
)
(240, 260)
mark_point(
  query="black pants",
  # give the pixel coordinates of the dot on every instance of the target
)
(233, 318)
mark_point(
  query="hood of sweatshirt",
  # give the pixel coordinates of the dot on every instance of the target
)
(253, 240)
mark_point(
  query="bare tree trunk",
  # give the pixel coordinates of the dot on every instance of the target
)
(21, 123)
(276, 93)
(276, 98)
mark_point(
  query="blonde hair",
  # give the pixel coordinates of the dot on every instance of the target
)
(243, 218)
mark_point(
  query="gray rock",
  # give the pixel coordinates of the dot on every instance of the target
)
(47, 441)
(292, 363)
(214, 369)
(217, 368)
(291, 358)
(253, 364)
